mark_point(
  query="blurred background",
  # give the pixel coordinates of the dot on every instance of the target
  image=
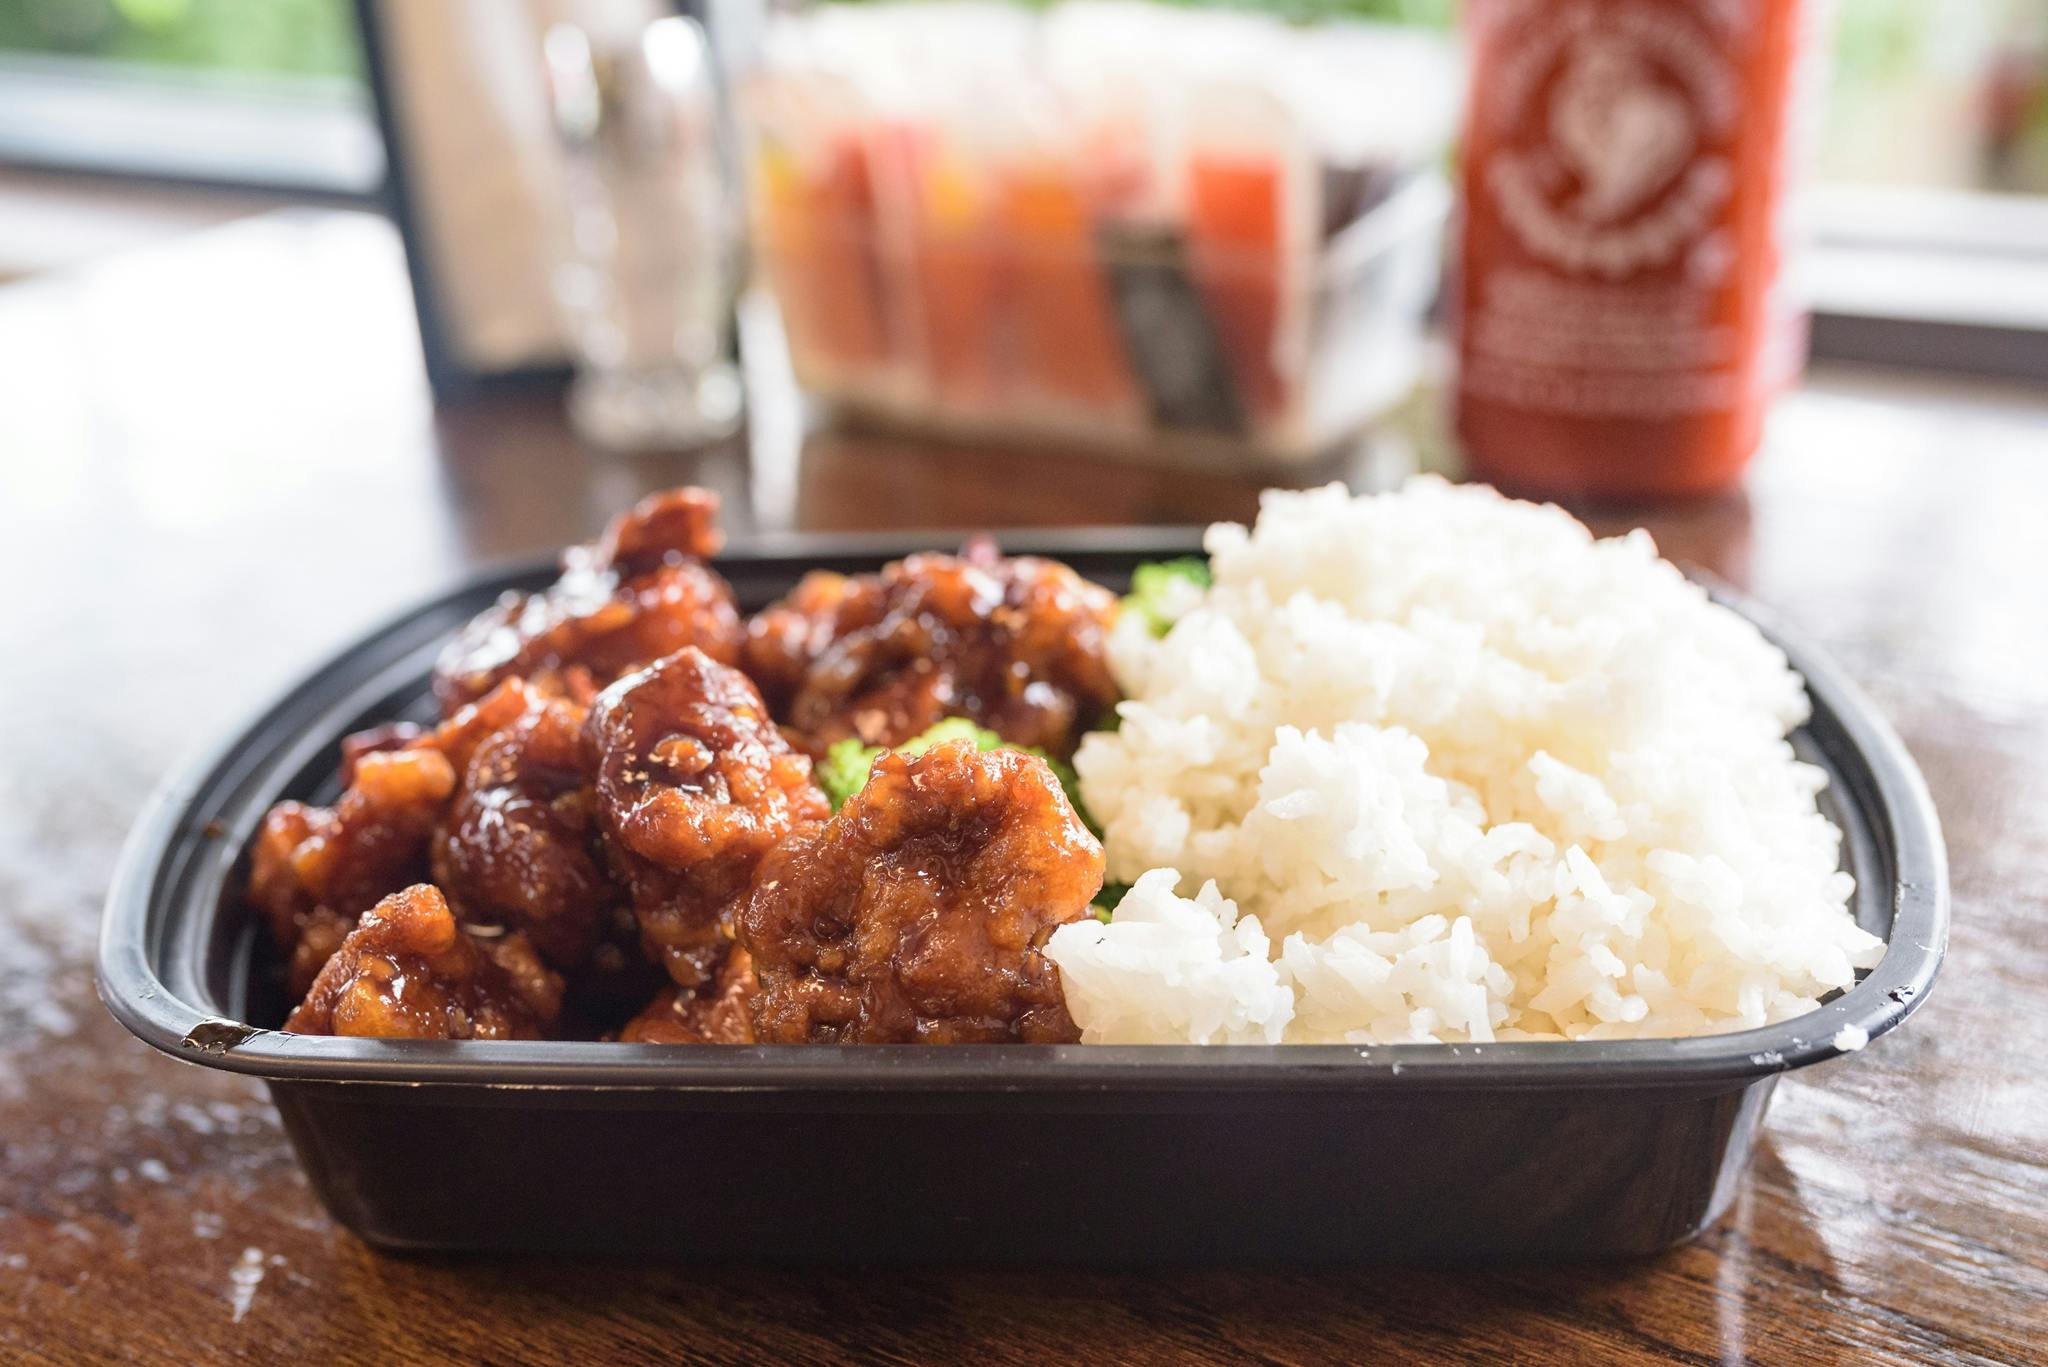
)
(1950, 96)
(1205, 232)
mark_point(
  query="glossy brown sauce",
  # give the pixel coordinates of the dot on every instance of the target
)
(575, 850)
(694, 784)
(410, 971)
(637, 594)
(917, 914)
(1016, 645)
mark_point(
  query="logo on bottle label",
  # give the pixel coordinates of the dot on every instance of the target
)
(1613, 124)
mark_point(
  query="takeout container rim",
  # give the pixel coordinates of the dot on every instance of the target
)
(1879, 781)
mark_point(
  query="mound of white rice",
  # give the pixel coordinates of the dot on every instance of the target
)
(1456, 771)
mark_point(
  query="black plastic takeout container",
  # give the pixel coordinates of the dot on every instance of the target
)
(1004, 1153)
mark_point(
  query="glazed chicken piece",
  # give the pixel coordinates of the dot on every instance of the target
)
(377, 740)
(409, 971)
(715, 1014)
(694, 784)
(638, 593)
(785, 639)
(1015, 645)
(518, 848)
(314, 870)
(521, 849)
(917, 914)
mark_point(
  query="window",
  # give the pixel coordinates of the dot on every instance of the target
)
(1949, 96)
(1930, 206)
(1931, 210)
(245, 92)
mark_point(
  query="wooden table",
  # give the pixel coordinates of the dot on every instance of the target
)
(217, 460)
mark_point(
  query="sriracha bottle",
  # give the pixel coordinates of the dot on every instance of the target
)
(1622, 324)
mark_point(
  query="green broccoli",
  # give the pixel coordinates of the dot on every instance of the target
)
(844, 770)
(1155, 586)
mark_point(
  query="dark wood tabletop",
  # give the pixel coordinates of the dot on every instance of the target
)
(218, 460)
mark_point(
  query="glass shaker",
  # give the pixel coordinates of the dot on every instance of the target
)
(647, 284)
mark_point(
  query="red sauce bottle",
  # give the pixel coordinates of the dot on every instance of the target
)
(1622, 326)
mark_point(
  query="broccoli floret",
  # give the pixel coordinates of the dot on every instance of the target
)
(1161, 591)
(953, 728)
(844, 770)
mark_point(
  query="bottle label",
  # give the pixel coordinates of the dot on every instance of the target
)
(1619, 150)
(1617, 170)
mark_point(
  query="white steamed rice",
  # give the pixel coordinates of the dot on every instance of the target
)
(1438, 765)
